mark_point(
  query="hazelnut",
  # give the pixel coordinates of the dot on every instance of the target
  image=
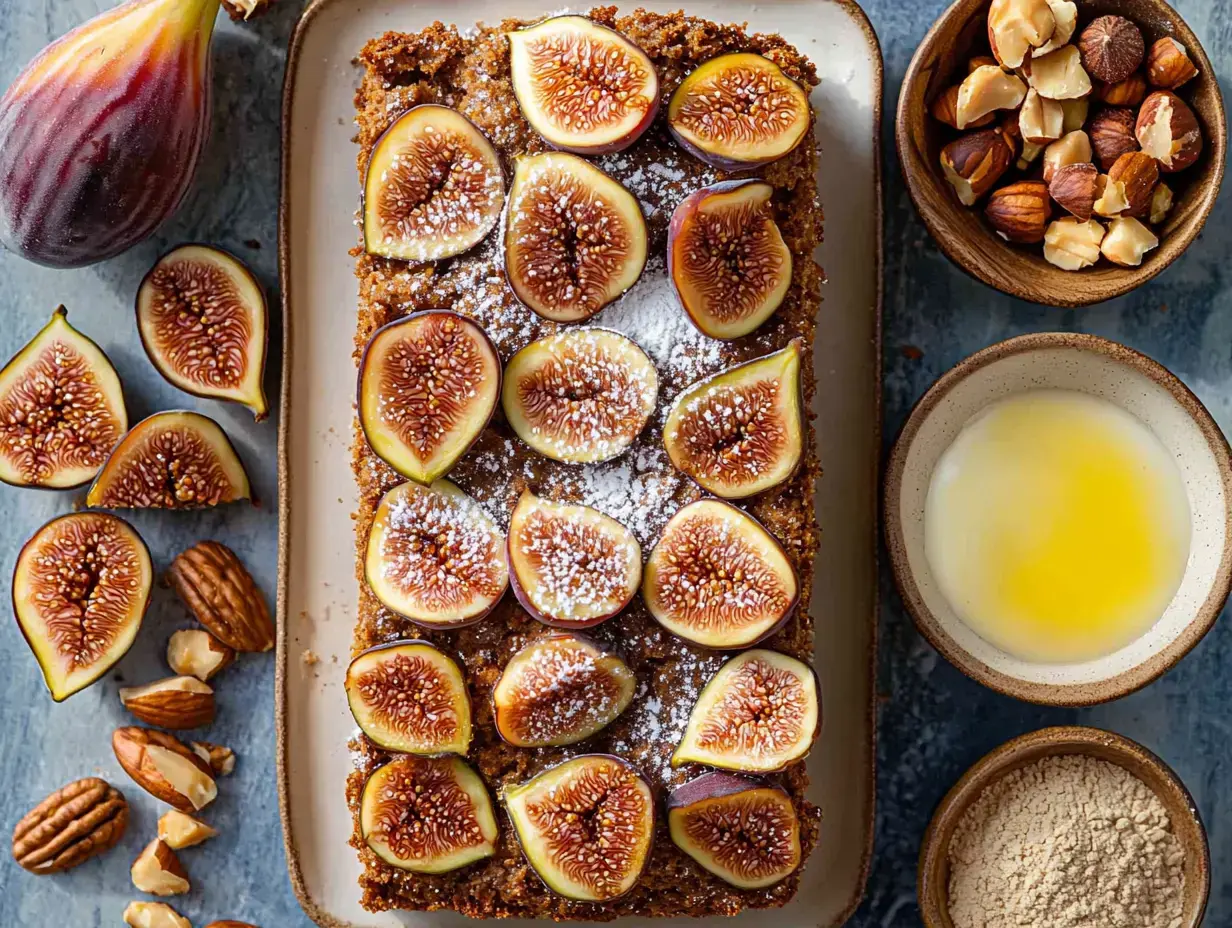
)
(1137, 173)
(1071, 148)
(1040, 119)
(158, 871)
(1128, 92)
(1020, 212)
(1072, 244)
(1075, 187)
(1112, 134)
(1161, 203)
(1127, 241)
(980, 61)
(974, 163)
(1168, 65)
(1168, 131)
(1065, 13)
(1015, 27)
(1059, 75)
(985, 90)
(1074, 114)
(1111, 201)
(1111, 48)
(945, 109)
(1030, 151)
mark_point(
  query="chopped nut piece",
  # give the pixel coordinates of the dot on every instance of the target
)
(1111, 201)
(1127, 241)
(1075, 187)
(1030, 151)
(1071, 148)
(220, 759)
(1111, 48)
(1161, 203)
(1137, 174)
(195, 652)
(1040, 119)
(1071, 244)
(945, 109)
(1129, 92)
(1065, 12)
(1168, 65)
(1059, 75)
(1019, 212)
(154, 915)
(165, 767)
(1112, 134)
(985, 90)
(1015, 27)
(973, 163)
(158, 871)
(178, 830)
(1168, 131)
(1074, 114)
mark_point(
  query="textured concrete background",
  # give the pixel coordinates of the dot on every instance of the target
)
(934, 721)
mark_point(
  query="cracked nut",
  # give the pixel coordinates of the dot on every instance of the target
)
(165, 767)
(220, 759)
(945, 109)
(73, 824)
(1161, 203)
(1065, 14)
(154, 915)
(1071, 148)
(1168, 65)
(974, 163)
(1168, 131)
(1020, 212)
(1127, 241)
(1112, 134)
(195, 652)
(1040, 120)
(1074, 113)
(1075, 187)
(179, 830)
(1030, 151)
(1072, 244)
(1129, 92)
(1111, 48)
(984, 91)
(1111, 201)
(158, 871)
(1137, 174)
(221, 594)
(1059, 75)
(176, 702)
(1015, 27)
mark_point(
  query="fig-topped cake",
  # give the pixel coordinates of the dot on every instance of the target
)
(586, 530)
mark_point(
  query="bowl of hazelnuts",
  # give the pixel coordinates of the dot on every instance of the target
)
(1062, 151)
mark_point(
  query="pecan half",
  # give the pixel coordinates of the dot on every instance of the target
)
(221, 594)
(70, 826)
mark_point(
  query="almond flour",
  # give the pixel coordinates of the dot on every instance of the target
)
(1066, 842)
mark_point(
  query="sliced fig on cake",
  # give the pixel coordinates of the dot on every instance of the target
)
(739, 111)
(570, 565)
(727, 259)
(742, 431)
(427, 814)
(410, 697)
(61, 409)
(584, 87)
(203, 321)
(80, 590)
(580, 396)
(718, 578)
(759, 713)
(741, 829)
(585, 825)
(559, 690)
(575, 239)
(171, 460)
(434, 187)
(427, 387)
(435, 556)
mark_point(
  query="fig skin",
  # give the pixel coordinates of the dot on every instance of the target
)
(106, 429)
(247, 290)
(389, 446)
(63, 685)
(601, 140)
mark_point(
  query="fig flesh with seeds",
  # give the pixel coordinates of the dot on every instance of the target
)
(580, 396)
(759, 713)
(80, 590)
(738, 111)
(740, 432)
(718, 578)
(434, 187)
(410, 697)
(575, 239)
(727, 259)
(559, 690)
(582, 86)
(741, 829)
(427, 387)
(203, 321)
(434, 556)
(171, 460)
(61, 409)
(569, 565)
(427, 814)
(585, 825)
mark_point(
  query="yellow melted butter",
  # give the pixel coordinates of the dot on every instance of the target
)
(1057, 526)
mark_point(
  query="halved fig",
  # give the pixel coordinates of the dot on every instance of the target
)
(61, 409)
(575, 240)
(738, 111)
(718, 578)
(727, 259)
(434, 187)
(560, 690)
(427, 814)
(585, 825)
(760, 712)
(570, 565)
(742, 431)
(434, 556)
(427, 387)
(80, 590)
(582, 86)
(203, 321)
(741, 829)
(580, 396)
(410, 697)
(171, 460)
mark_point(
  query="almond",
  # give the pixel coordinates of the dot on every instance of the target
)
(70, 826)
(180, 830)
(176, 702)
(154, 915)
(158, 871)
(195, 652)
(165, 767)
(221, 594)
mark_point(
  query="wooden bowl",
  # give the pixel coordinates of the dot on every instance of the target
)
(933, 878)
(1155, 397)
(963, 233)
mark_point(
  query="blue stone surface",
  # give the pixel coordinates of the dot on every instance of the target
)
(934, 722)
